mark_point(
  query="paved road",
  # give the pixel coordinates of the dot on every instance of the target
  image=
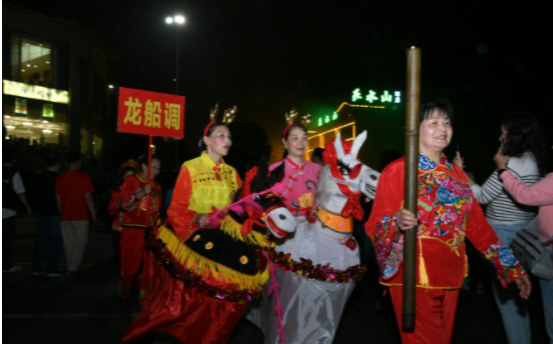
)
(46, 310)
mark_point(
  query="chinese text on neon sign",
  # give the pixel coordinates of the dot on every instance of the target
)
(374, 97)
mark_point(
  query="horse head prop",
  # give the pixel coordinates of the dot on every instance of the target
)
(226, 259)
(257, 205)
(345, 179)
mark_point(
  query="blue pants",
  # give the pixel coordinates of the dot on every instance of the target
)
(49, 235)
(511, 306)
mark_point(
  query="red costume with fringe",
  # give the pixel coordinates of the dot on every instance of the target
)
(135, 220)
(187, 297)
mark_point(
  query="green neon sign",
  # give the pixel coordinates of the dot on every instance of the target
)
(327, 119)
(373, 97)
(356, 95)
(386, 97)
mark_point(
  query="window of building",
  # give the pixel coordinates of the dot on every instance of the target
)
(34, 108)
(32, 60)
(36, 64)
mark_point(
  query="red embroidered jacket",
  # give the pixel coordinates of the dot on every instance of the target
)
(448, 212)
(135, 214)
(114, 208)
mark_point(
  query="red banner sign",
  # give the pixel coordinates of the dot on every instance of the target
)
(150, 113)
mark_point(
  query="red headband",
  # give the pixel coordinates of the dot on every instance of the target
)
(207, 128)
(288, 128)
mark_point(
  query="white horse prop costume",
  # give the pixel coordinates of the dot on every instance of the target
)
(318, 265)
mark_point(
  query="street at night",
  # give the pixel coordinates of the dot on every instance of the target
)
(56, 310)
(276, 172)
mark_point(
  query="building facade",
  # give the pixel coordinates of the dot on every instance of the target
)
(380, 113)
(54, 82)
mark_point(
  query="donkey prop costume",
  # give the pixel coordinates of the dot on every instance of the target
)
(319, 264)
(197, 290)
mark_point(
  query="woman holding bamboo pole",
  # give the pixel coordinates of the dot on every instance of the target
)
(447, 213)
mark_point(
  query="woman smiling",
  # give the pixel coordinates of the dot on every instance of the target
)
(447, 213)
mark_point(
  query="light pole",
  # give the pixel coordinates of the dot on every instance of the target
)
(177, 20)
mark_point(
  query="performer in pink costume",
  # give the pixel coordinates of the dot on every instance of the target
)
(300, 175)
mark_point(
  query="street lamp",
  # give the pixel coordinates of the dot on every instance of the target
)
(177, 20)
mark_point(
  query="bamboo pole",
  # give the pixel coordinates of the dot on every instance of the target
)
(411, 183)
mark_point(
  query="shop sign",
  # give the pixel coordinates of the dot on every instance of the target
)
(150, 113)
(373, 97)
(327, 119)
(21, 106)
(48, 110)
(19, 89)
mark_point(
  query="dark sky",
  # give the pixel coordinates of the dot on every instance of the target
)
(268, 56)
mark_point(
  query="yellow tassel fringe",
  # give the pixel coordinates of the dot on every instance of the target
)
(232, 228)
(466, 266)
(203, 267)
(424, 281)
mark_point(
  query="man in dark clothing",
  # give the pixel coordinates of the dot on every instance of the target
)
(49, 230)
(13, 194)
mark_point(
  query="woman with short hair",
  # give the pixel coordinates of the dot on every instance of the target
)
(524, 142)
(447, 213)
(538, 194)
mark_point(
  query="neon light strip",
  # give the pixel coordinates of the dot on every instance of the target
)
(326, 132)
(363, 106)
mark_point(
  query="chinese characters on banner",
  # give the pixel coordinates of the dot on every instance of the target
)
(150, 113)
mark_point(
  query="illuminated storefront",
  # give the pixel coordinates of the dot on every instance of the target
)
(54, 88)
(36, 113)
(380, 112)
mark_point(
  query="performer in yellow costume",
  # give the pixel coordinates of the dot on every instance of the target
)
(203, 183)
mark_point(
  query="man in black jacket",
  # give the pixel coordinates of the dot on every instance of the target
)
(49, 231)
(13, 192)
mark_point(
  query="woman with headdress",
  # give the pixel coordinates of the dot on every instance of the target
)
(300, 175)
(300, 180)
(204, 184)
(128, 168)
(137, 216)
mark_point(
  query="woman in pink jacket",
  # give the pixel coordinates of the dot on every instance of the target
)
(538, 194)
